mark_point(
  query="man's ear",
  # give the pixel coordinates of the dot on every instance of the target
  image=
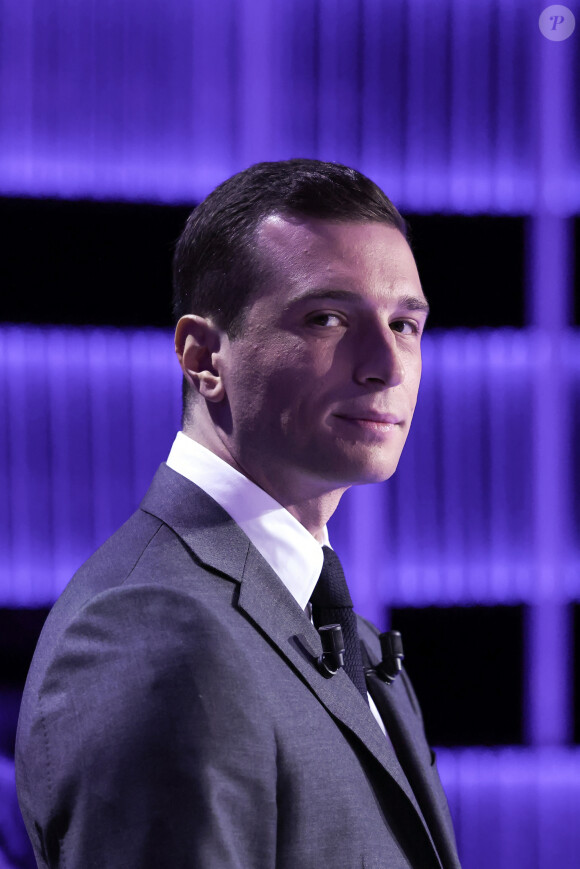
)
(197, 341)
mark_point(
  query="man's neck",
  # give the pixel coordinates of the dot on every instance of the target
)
(311, 509)
(313, 513)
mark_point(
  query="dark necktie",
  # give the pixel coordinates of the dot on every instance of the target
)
(332, 604)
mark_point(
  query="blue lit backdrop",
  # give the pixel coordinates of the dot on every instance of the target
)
(458, 106)
(442, 103)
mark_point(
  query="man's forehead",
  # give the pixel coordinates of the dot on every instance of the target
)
(283, 226)
(315, 247)
(278, 233)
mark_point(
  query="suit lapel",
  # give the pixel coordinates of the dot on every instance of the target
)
(220, 544)
(269, 604)
(406, 733)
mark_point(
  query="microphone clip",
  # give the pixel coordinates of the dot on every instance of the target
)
(392, 656)
(332, 658)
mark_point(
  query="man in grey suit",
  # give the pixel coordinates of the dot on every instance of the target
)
(178, 712)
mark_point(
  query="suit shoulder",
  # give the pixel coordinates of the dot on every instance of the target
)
(114, 560)
(143, 550)
(143, 576)
(145, 622)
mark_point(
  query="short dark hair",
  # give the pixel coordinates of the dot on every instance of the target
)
(215, 267)
(215, 270)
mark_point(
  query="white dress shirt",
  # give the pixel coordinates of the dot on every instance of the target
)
(290, 550)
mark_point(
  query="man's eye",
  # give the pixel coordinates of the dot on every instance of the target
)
(405, 327)
(327, 320)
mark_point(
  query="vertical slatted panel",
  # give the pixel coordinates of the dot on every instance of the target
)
(69, 509)
(571, 364)
(162, 99)
(461, 502)
(208, 116)
(87, 415)
(514, 807)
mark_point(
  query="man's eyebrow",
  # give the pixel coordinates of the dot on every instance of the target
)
(412, 303)
(307, 295)
(409, 303)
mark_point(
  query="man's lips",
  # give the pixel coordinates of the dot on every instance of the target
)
(370, 416)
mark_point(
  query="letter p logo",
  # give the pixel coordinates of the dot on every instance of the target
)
(557, 23)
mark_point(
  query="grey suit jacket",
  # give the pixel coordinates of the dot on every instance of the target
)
(174, 716)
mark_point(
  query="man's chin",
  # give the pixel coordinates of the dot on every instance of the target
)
(362, 472)
(378, 475)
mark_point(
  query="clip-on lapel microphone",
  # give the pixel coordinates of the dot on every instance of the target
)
(392, 656)
(332, 658)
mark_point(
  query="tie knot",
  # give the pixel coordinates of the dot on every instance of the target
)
(331, 589)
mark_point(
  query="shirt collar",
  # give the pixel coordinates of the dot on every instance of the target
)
(290, 550)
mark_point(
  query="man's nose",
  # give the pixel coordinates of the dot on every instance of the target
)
(379, 358)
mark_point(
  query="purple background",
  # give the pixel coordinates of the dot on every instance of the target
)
(457, 106)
